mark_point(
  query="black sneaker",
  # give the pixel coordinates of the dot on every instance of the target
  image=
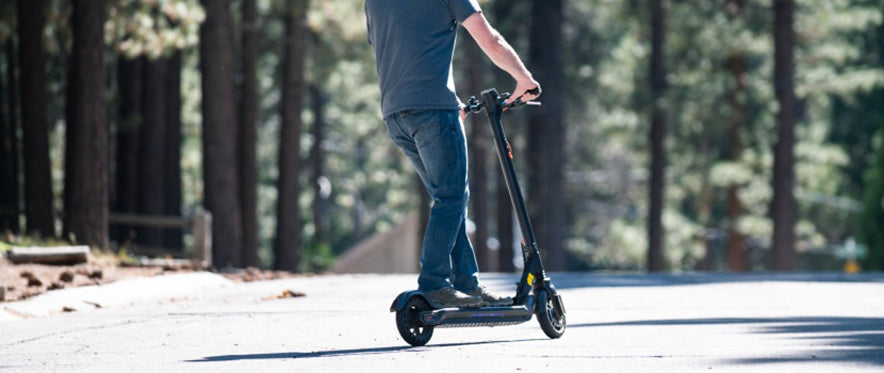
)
(448, 297)
(489, 299)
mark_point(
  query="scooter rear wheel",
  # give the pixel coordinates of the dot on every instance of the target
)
(550, 317)
(408, 322)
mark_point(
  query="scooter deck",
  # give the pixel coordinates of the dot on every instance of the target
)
(465, 317)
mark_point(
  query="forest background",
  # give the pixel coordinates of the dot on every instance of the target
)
(718, 135)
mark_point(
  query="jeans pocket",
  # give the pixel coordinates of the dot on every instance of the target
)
(424, 126)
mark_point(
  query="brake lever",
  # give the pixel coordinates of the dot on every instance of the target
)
(518, 102)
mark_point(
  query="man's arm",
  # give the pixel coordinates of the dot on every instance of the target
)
(502, 54)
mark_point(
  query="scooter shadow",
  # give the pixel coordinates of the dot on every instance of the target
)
(348, 352)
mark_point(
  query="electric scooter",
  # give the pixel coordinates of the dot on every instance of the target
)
(535, 293)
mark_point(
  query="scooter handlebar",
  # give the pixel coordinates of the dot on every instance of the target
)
(474, 105)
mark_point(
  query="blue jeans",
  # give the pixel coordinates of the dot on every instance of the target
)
(434, 142)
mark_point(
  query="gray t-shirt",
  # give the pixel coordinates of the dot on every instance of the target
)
(413, 42)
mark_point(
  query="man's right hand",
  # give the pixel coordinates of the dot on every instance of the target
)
(521, 91)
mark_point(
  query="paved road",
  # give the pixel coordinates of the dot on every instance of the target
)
(629, 323)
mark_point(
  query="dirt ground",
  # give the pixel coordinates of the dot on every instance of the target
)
(22, 281)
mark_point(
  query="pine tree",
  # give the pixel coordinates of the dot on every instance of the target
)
(783, 206)
(219, 134)
(35, 129)
(287, 248)
(873, 214)
(86, 208)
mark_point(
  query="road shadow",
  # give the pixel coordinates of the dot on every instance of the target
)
(576, 280)
(346, 352)
(840, 339)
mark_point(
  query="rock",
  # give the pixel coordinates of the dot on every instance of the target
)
(293, 294)
(286, 294)
(34, 282)
(56, 286)
(66, 276)
(2, 293)
(49, 255)
(96, 274)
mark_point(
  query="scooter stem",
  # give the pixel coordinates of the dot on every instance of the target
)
(533, 270)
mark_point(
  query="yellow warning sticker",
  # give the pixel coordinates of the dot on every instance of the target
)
(531, 279)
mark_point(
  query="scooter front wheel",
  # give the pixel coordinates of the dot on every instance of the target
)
(408, 322)
(550, 316)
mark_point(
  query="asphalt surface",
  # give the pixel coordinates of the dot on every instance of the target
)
(616, 323)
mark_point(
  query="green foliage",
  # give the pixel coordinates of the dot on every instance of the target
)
(10, 241)
(153, 28)
(7, 20)
(609, 116)
(319, 258)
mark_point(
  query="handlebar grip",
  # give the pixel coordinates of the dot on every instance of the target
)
(535, 91)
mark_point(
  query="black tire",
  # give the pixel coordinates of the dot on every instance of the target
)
(551, 319)
(409, 325)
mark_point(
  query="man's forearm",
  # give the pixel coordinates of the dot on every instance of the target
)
(497, 49)
(505, 57)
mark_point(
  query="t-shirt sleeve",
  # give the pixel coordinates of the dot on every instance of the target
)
(463, 9)
(367, 25)
(368, 32)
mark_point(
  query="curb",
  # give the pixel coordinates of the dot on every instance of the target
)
(123, 292)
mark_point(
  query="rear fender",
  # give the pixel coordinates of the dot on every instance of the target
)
(402, 299)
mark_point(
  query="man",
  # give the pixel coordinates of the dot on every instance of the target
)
(414, 42)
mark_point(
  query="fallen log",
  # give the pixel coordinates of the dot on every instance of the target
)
(49, 255)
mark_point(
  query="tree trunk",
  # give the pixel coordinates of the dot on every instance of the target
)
(705, 198)
(657, 139)
(7, 178)
(86, 216)
(546, 132)
(317, 157)
(70, 132)
(173, 238)
(14, 144)
(152, 149)
(129, 75)
(249, 133)
(360, 159)
(783, 206)
(737, 253)
(478, 162)
(9, 188)
(219, 134)
(35, 129)
(288, 226)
